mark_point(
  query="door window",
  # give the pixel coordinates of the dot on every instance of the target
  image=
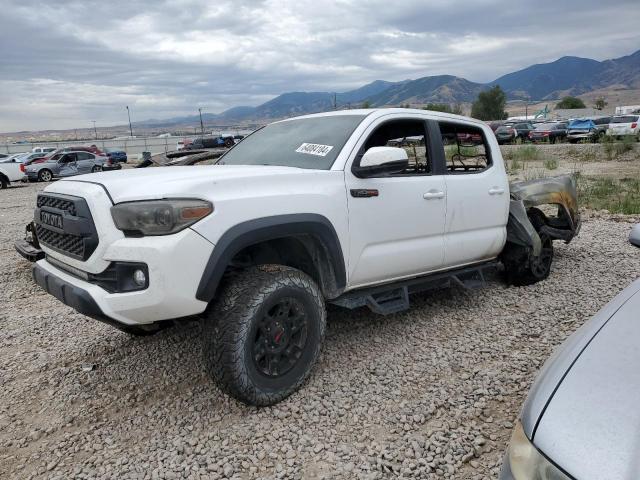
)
(409, 135)
(465, 148)
(68, 158)
(84, 156)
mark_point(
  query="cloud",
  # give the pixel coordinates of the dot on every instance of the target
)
(68, 62)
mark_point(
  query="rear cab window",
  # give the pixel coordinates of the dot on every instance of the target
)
(465, 147)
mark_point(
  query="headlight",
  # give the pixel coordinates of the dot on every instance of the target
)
(527, 463)
(159, 217)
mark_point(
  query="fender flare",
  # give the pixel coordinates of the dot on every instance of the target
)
(263, 229)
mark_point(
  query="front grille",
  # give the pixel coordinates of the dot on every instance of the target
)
(74, 233)
(57, 202)
(61, 241)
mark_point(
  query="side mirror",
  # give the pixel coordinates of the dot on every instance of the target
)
(382, 161)
(634, 236)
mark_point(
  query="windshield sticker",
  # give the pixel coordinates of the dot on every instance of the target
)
(314, 149)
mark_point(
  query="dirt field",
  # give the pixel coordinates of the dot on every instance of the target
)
(429, 393)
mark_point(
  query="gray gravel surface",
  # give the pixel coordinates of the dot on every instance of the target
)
(429, 393)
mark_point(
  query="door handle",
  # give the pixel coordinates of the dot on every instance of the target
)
(433, 194)
(496, 191)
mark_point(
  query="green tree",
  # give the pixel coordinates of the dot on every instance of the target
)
(570, 103)
(444, 107)
(490, 105)
(366, 104)
(600, 103)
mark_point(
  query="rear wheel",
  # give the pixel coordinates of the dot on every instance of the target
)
(4, 182)
(521, 266)
(96, 168)
(263, 334)
(45, 175)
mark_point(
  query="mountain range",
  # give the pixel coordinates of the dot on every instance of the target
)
(546, 81)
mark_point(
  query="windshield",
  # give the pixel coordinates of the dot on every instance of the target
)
(303, 143)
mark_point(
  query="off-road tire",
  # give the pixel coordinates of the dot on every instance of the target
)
(44, 174)
(235, 323)
(521, 267)
(4, 182)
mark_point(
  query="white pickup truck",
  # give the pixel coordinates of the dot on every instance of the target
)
(356, 208)
(11, 172)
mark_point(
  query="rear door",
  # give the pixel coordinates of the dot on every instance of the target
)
(86, 162)
(396, 222)
(477, 205)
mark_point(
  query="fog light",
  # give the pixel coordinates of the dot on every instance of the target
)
(139, 278)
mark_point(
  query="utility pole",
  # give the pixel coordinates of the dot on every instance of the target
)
(201, 124)
(335, 101)
(94, 129)
(129, 116)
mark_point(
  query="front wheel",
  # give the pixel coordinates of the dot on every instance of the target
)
(521, 266)
(96, 168)
(263, 334)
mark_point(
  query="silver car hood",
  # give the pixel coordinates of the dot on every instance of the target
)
(590, 426)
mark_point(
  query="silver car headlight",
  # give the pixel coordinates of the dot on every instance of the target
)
(159, 217)
(527, 463)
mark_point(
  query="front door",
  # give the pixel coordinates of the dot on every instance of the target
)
(396, 222)
(68, 165)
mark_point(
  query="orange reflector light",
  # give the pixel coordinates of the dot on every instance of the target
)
(191, 213)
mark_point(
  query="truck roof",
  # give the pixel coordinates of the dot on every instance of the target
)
(379, 112)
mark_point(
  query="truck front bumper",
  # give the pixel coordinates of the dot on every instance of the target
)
(175, 265)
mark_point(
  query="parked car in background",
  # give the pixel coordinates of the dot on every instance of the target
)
(42, 149)
(14, 158)
(583, 130)
(494, 125)
(32, 156)
(602, 124)
(523, 129)
(581, 418)
(117, 155)
(506, 134)
(624, 125)
(210, 142)
(548, 132)
(10, 172)
(67, 164)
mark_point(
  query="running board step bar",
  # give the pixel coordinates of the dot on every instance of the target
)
(394, 298)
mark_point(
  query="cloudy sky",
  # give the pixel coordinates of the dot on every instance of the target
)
(65, 63)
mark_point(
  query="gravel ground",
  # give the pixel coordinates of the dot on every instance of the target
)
(429, 393)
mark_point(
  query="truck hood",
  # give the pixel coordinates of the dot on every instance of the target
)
(161, 182)
(591, 425)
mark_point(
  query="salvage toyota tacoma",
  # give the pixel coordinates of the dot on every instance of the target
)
(354, 208)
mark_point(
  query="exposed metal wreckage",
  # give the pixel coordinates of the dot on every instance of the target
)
(181, 157)
(557, 191)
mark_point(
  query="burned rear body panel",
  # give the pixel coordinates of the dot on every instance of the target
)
(559, 193)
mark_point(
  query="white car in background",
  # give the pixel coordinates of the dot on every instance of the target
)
(624, 125)
(14, 158)
(11, 172)
(42, 149)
